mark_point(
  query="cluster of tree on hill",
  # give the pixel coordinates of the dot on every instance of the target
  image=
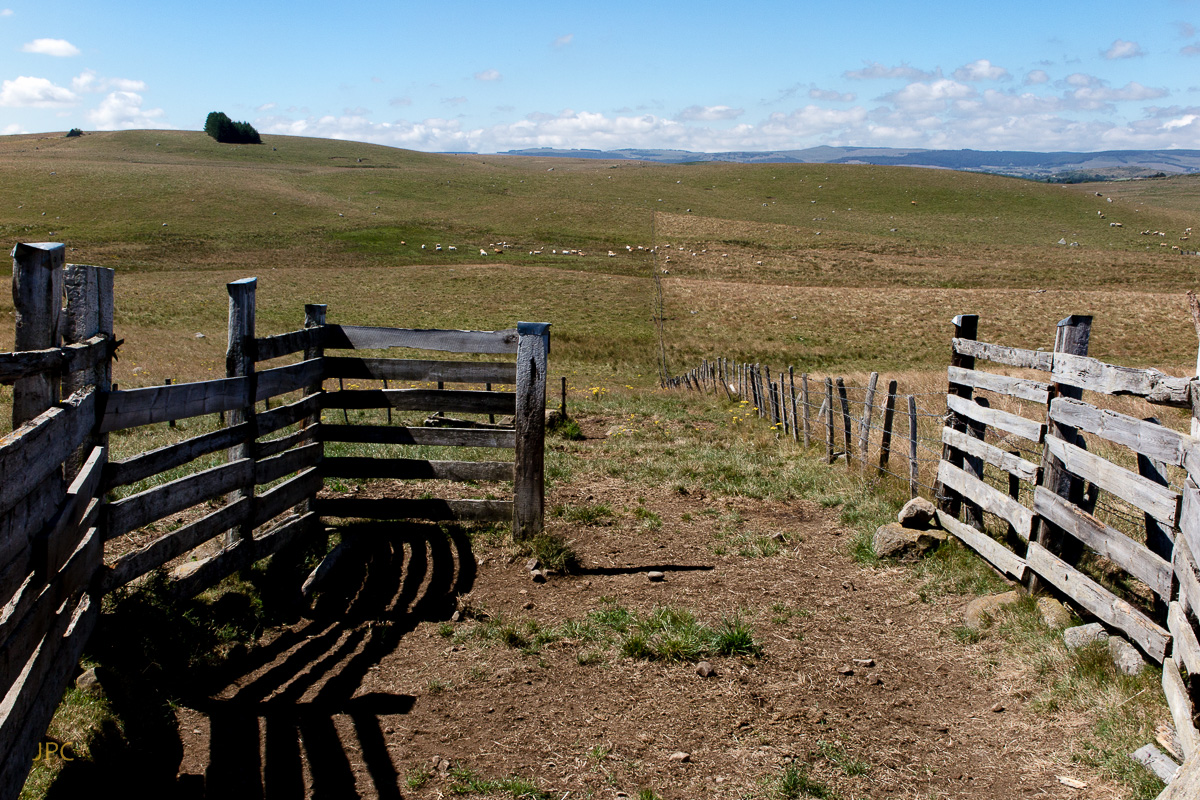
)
(223, 129)
(71, 134)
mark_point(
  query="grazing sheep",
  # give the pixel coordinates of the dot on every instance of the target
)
(482, 252)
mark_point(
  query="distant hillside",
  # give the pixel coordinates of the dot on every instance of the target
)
(1058, 167)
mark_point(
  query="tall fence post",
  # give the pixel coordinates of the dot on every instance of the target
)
(89, 313)
(889, 415)
(804, 404)
(1071, 336)
(239, 363)
(37, 281)
(847, 434)
(966, 326)
(533, 349)
(914, 466)
(828, 420)
(791, 392)
(864, 426)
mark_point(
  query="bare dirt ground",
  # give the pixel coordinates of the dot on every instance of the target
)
(381, 695)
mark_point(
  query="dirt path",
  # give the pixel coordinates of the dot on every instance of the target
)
(383, 696)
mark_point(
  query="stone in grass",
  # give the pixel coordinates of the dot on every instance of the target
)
(681, 757)
(988, 606)
(1125, 656)
(896, 542)
(1083, 635)
(705, 669)
(655, 576)
(1054, 613)
(88, 683)
(918, 513)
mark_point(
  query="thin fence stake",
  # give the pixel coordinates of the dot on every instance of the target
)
(889, 413)
(864, 427)
(828, 411)
(804, 402)
(841, 387)
(792, 391)
(913, 464)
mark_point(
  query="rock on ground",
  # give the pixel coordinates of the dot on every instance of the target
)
(988, 606)
(1054, 613)
(1082, 635)
(904, 544)
(1125, 656)
(918, 513)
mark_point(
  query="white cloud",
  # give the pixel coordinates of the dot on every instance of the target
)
(454, 101)
(1190, 50)
(88, 81)
(14, 128)
(28, 92)
(564, 40)
(7, 12)
(875, 70)
(1123, 49)
(51, 47)
(981, 70)
(1101, 97)
(123, 111)
(1034, 77)
(831, 95)
(265, 107)
(431, 134)
(929, 97)
(488, 75)
(1081, 80)
(400, 101)
(708, 113)
(1186, 29)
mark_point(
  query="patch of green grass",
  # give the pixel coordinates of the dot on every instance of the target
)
(794, 782)
(595, 515)
(836, 754)
(647, 794)
(648, 518)
(552, 552)
(466, 782)
(416, 778)
(565, 428)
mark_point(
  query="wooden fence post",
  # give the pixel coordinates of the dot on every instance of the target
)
(864, 425)
(239, 363)
(1158, 536)
(89, 313)
(889, 414)
(966, 326)
(973, 466)
(804, 403)
(792, 394)
(828, 420)
(849, 436)
(913, 465)
(37, 281)
(533, 349)
(1071, 336)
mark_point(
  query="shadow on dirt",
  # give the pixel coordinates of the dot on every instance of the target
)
(273, 715)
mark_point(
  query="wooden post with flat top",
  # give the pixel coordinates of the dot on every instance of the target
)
(239, 363)
(533, 350)
(37, 281)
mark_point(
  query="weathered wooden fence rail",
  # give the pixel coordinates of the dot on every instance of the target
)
(1053, 491)
(263, 498)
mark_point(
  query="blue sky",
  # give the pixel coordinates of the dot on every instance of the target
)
(706, 76)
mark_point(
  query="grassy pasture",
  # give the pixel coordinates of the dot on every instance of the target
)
(829, 267)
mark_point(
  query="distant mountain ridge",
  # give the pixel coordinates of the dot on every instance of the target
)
(1020, 163)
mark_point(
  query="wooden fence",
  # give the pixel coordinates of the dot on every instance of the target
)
(870, 430)
(55, 520)
(1098, 506)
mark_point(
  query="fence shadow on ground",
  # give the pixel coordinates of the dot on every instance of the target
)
(281, 726)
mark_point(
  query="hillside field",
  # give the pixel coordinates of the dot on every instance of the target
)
(827, 267)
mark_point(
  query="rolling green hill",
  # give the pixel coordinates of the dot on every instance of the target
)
(751, 246)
